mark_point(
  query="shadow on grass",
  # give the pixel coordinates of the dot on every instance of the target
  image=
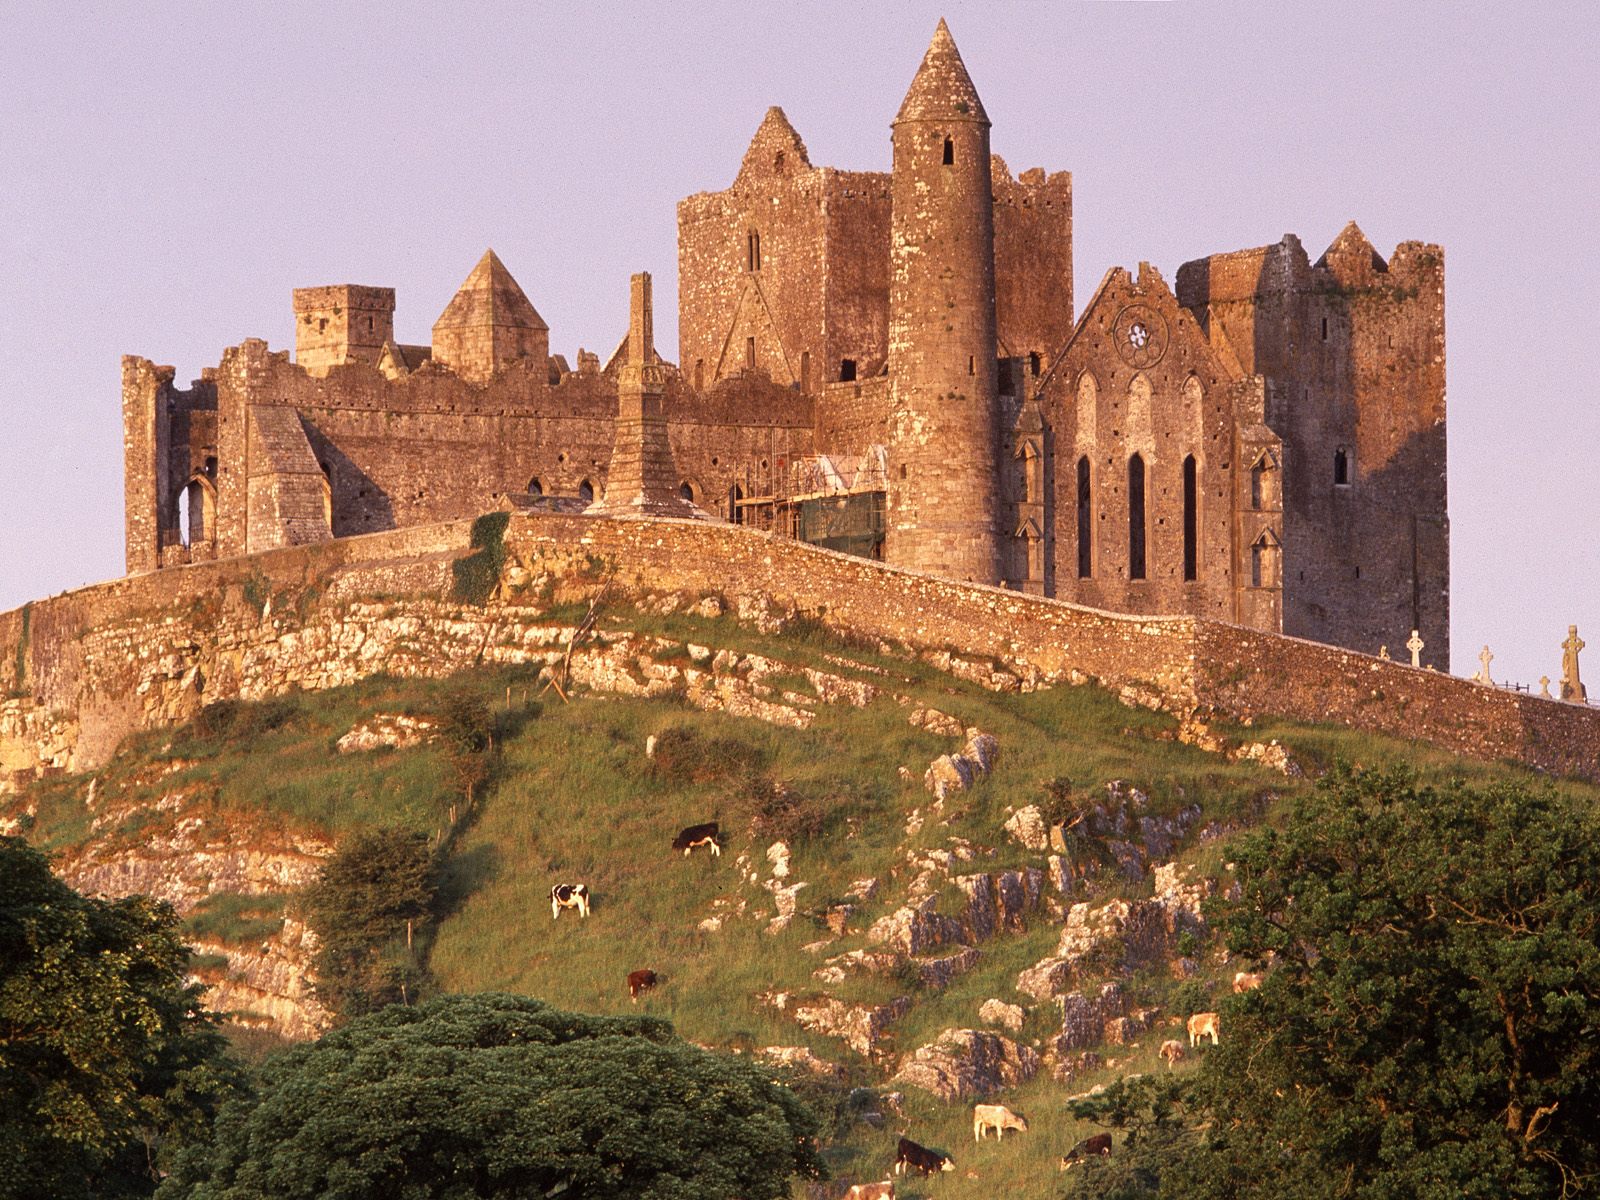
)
(462, 874)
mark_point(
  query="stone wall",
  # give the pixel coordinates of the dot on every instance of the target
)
(144, 651)
(1353, 351)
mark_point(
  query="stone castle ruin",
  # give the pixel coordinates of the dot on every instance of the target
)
(886, 363)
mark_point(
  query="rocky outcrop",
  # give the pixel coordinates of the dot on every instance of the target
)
(859, 1026)
(391, 731)
(267, 987)
(951, 773)
(965, 1063)
(1027, 828)
(998, 1012)
(1120, 935)
(801, 1059)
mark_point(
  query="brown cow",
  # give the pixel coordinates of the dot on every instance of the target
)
(641, 981)
(1203, 1025)
(1099, 1144)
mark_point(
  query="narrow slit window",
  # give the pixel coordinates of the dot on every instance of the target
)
(699, 374)
(1033, 363)
(847, 370)
(1191, 522)
(1136, 530)
(949, 152)
(1341, 467)
(805, 370)
(750, 354)
(972, 364)
(753, 251)
(1324, 328)
(1085, 521)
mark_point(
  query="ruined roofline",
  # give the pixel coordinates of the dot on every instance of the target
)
(1284, 266)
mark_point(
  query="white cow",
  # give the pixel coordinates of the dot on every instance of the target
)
(998, 1118)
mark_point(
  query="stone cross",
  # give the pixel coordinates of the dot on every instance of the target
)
(1571, 687)
(1544, 687)
(1414, 644)
(1383, 653)
(1485, 658)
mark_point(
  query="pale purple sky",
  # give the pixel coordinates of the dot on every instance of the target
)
(171, 171)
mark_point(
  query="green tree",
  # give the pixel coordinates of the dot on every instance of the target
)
(363, 907)
(468, 733)
(501, 1096)
(107, 1060)
(1432, 1028)
(1157, 1128)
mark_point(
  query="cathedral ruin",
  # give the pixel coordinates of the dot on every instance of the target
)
(888, 364)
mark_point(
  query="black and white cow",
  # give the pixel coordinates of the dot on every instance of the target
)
(569, 895)
(698, 835)
(909, 1156)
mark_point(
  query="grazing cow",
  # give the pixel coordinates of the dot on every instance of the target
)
(911, 1157)
(998, 1118)
(871, 1191)
(569, 895)
(1203, 1025)
(1099, 1144)
(1248, 981)
(641, 981)
(1171, 1051)
(698, 835)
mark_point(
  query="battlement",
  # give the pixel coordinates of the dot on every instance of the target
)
(1350, 263)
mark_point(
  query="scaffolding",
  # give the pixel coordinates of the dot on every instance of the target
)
(832, 500)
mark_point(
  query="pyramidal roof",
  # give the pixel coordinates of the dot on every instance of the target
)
(490, 296)
(774, 138)
(1352, 245)
(942, 90)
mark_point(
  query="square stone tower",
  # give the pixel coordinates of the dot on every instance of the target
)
(341, 324)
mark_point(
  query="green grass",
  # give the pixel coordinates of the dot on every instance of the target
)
(235, 919)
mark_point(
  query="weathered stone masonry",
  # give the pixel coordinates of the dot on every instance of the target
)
(145, 651)
(1265, 446)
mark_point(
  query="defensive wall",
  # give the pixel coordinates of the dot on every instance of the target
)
(82, 670)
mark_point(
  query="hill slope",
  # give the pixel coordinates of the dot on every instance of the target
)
(794, 737)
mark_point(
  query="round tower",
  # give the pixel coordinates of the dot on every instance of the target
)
(943, 495)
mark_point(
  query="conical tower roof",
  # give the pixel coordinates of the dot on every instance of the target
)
(942, 90)
(490, 296)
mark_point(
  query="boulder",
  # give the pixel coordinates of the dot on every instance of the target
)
(778, 856)
(982, 750)
(965, 1063)
(1050, 977)
(915, 929)
(998, 1012)
(1027, 828)
(946, 774)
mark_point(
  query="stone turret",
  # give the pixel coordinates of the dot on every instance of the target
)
(642, 480)
(489, 324)
(944, 505)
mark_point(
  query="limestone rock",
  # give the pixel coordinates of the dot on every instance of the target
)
(935, 721)
(998, 1012)
(1027, 828)
(947, 774)
(938, 972)
(859, 1026)
(398, 731)
(801, 1058)
(778, 856)
(965, 1063)
(915, 929)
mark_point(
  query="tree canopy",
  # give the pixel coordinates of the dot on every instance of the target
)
(107, 1060)
(362, 906)
(498, 1096)
(1431, 1024)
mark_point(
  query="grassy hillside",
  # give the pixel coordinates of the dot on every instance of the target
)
(574, 797)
